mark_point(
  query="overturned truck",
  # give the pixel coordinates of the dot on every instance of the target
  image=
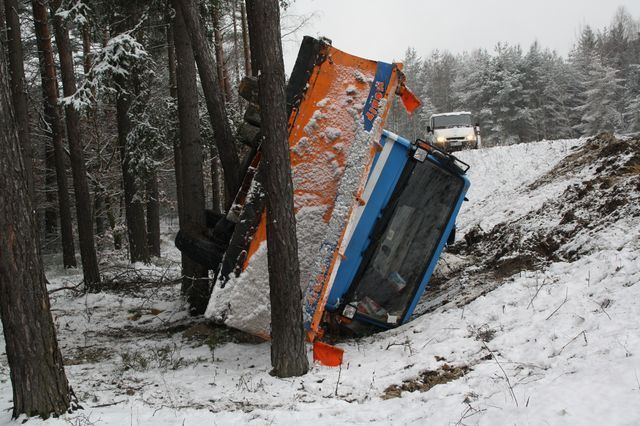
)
(373, 210)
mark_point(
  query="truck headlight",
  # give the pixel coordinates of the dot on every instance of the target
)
(471, 137)
(441, 139)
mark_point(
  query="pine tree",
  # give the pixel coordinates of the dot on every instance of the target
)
(599, 112)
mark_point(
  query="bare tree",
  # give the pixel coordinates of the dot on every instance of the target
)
(224, 137)
(195, 283)
(38, 379)
(78, 168)
(288, 352)
(54, 126)
(218, 45)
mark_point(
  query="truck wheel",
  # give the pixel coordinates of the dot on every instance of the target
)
(200, 249)
(212, 218)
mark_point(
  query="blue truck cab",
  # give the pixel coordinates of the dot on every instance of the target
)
(413, 194)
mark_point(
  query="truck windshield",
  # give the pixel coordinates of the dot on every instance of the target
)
(445, 121)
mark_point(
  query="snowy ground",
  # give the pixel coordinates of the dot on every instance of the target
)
(533, 320)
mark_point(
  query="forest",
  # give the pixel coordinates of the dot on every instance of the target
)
(523, 95)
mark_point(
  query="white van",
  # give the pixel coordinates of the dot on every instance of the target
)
(453, 131)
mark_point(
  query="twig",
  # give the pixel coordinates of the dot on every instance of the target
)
(72, 287)
(513, 394)
(566, 296)
(583, 332)
(338, 382)
(108, 405)
(536, 295)
(602, 309)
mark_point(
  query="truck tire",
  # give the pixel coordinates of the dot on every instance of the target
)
(200, 249)
(212, 218)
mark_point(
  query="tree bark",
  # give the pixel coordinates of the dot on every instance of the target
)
(54, 126)
(38, 379)
(133, 207)
(78, 168)
(236, 51)
(195, 284)
(173, 92)
(153, 215)
(216, 195)
(18, 87)
(288, 352)
(213, 95)
(245, 40)
(223, 78)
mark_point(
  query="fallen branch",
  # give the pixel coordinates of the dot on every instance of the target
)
(108, 404)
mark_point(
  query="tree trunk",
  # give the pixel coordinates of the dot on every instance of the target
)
(78, 168)
(50, 212)
(195, 284)
(245, 40)
(216, 195)
(54, 126)
(38, 379)
(252, 36)
(133, 207)
(173, 92)
(288, 352)
(223, 78)
(153, 215)
(18, 87)
(215, 103)
(236, 50)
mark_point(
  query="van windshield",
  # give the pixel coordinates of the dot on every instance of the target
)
(446, 121)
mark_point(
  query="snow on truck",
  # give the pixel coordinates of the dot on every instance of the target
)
(454, 131)
(373, 210)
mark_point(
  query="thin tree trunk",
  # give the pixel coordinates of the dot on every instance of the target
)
(213, 95)
(253, 38)
(195, 284)
(218, 44)
(288, 352)
(54, 126)
(78, 168)
(18, 87)
(133, 207)
(216, 195)
(50, 212)
(173, 92)
(38, 379)
(236, 51)
(153, 215)
(245, 40)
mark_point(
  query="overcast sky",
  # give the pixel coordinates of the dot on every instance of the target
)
(383, 30)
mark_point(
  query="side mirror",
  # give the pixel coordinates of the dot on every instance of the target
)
(428, 129)
(477, 124)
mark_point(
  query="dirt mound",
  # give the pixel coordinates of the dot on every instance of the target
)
(609, 192)
(426, 380)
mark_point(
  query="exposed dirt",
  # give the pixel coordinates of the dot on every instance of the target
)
(606, 196)
(426, 380)
(610, 191)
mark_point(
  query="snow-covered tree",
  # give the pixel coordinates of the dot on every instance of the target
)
(599, 112)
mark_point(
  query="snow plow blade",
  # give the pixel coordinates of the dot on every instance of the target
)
(337, 105)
